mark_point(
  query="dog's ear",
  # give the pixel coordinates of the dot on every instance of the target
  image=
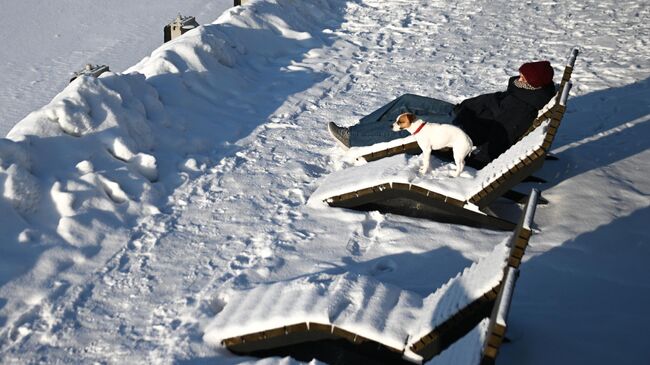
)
(411, 117)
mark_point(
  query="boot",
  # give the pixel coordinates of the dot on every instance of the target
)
(341, 134)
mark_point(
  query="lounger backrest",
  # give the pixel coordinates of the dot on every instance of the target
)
(496, 185)
(496, 329)
(481, 345)
(466, 317)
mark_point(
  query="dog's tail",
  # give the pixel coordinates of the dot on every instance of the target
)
(471, 144)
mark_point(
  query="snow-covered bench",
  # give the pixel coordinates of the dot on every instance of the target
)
(393, 184)
(276, 319)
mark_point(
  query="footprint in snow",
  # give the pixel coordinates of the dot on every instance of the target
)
(383, 266)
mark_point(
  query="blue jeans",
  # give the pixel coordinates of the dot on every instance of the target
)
(377, 126)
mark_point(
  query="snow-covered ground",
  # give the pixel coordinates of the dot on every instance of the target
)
(44, 42)
(135, 205)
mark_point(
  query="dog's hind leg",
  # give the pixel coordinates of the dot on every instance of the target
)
(459, 159)
(426, 158)
(460, 165)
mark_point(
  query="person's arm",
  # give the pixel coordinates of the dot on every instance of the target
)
(484, 106)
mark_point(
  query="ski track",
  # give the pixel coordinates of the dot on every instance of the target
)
(147, 302)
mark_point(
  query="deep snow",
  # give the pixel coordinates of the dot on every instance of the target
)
(43, 43)
(135, 204)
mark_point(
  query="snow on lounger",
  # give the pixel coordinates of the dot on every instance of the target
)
(356, 304)
(481, 344)
(404, 169)
(373, 185)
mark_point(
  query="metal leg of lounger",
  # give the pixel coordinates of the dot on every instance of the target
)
(535, 179)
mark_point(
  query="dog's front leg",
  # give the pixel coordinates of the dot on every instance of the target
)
(426, 157)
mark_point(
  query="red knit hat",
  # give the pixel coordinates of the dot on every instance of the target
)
(538, 73)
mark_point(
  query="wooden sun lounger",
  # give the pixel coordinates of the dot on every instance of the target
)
(332, 343)
(416, 201)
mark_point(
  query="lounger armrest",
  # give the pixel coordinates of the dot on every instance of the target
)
(565, 93)
(531, 205)
(572, 58)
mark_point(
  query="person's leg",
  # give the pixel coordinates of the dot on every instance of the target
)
(376, 127)
(371, 133)
(379, 113)
(429, 109)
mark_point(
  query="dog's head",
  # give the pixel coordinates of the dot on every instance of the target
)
(403, 121)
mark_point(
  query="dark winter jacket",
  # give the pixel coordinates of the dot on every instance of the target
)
(496, 121)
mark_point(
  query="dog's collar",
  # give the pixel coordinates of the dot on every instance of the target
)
(419, 128)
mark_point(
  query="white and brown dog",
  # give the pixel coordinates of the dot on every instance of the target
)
(433, 136)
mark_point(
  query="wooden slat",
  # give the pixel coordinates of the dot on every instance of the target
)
(319, 327)
(521, 243)
(228, 342)
(494, 340)
(514, 262)
(490, 352)
(339, 332)
(499, 330)
(517, 254)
